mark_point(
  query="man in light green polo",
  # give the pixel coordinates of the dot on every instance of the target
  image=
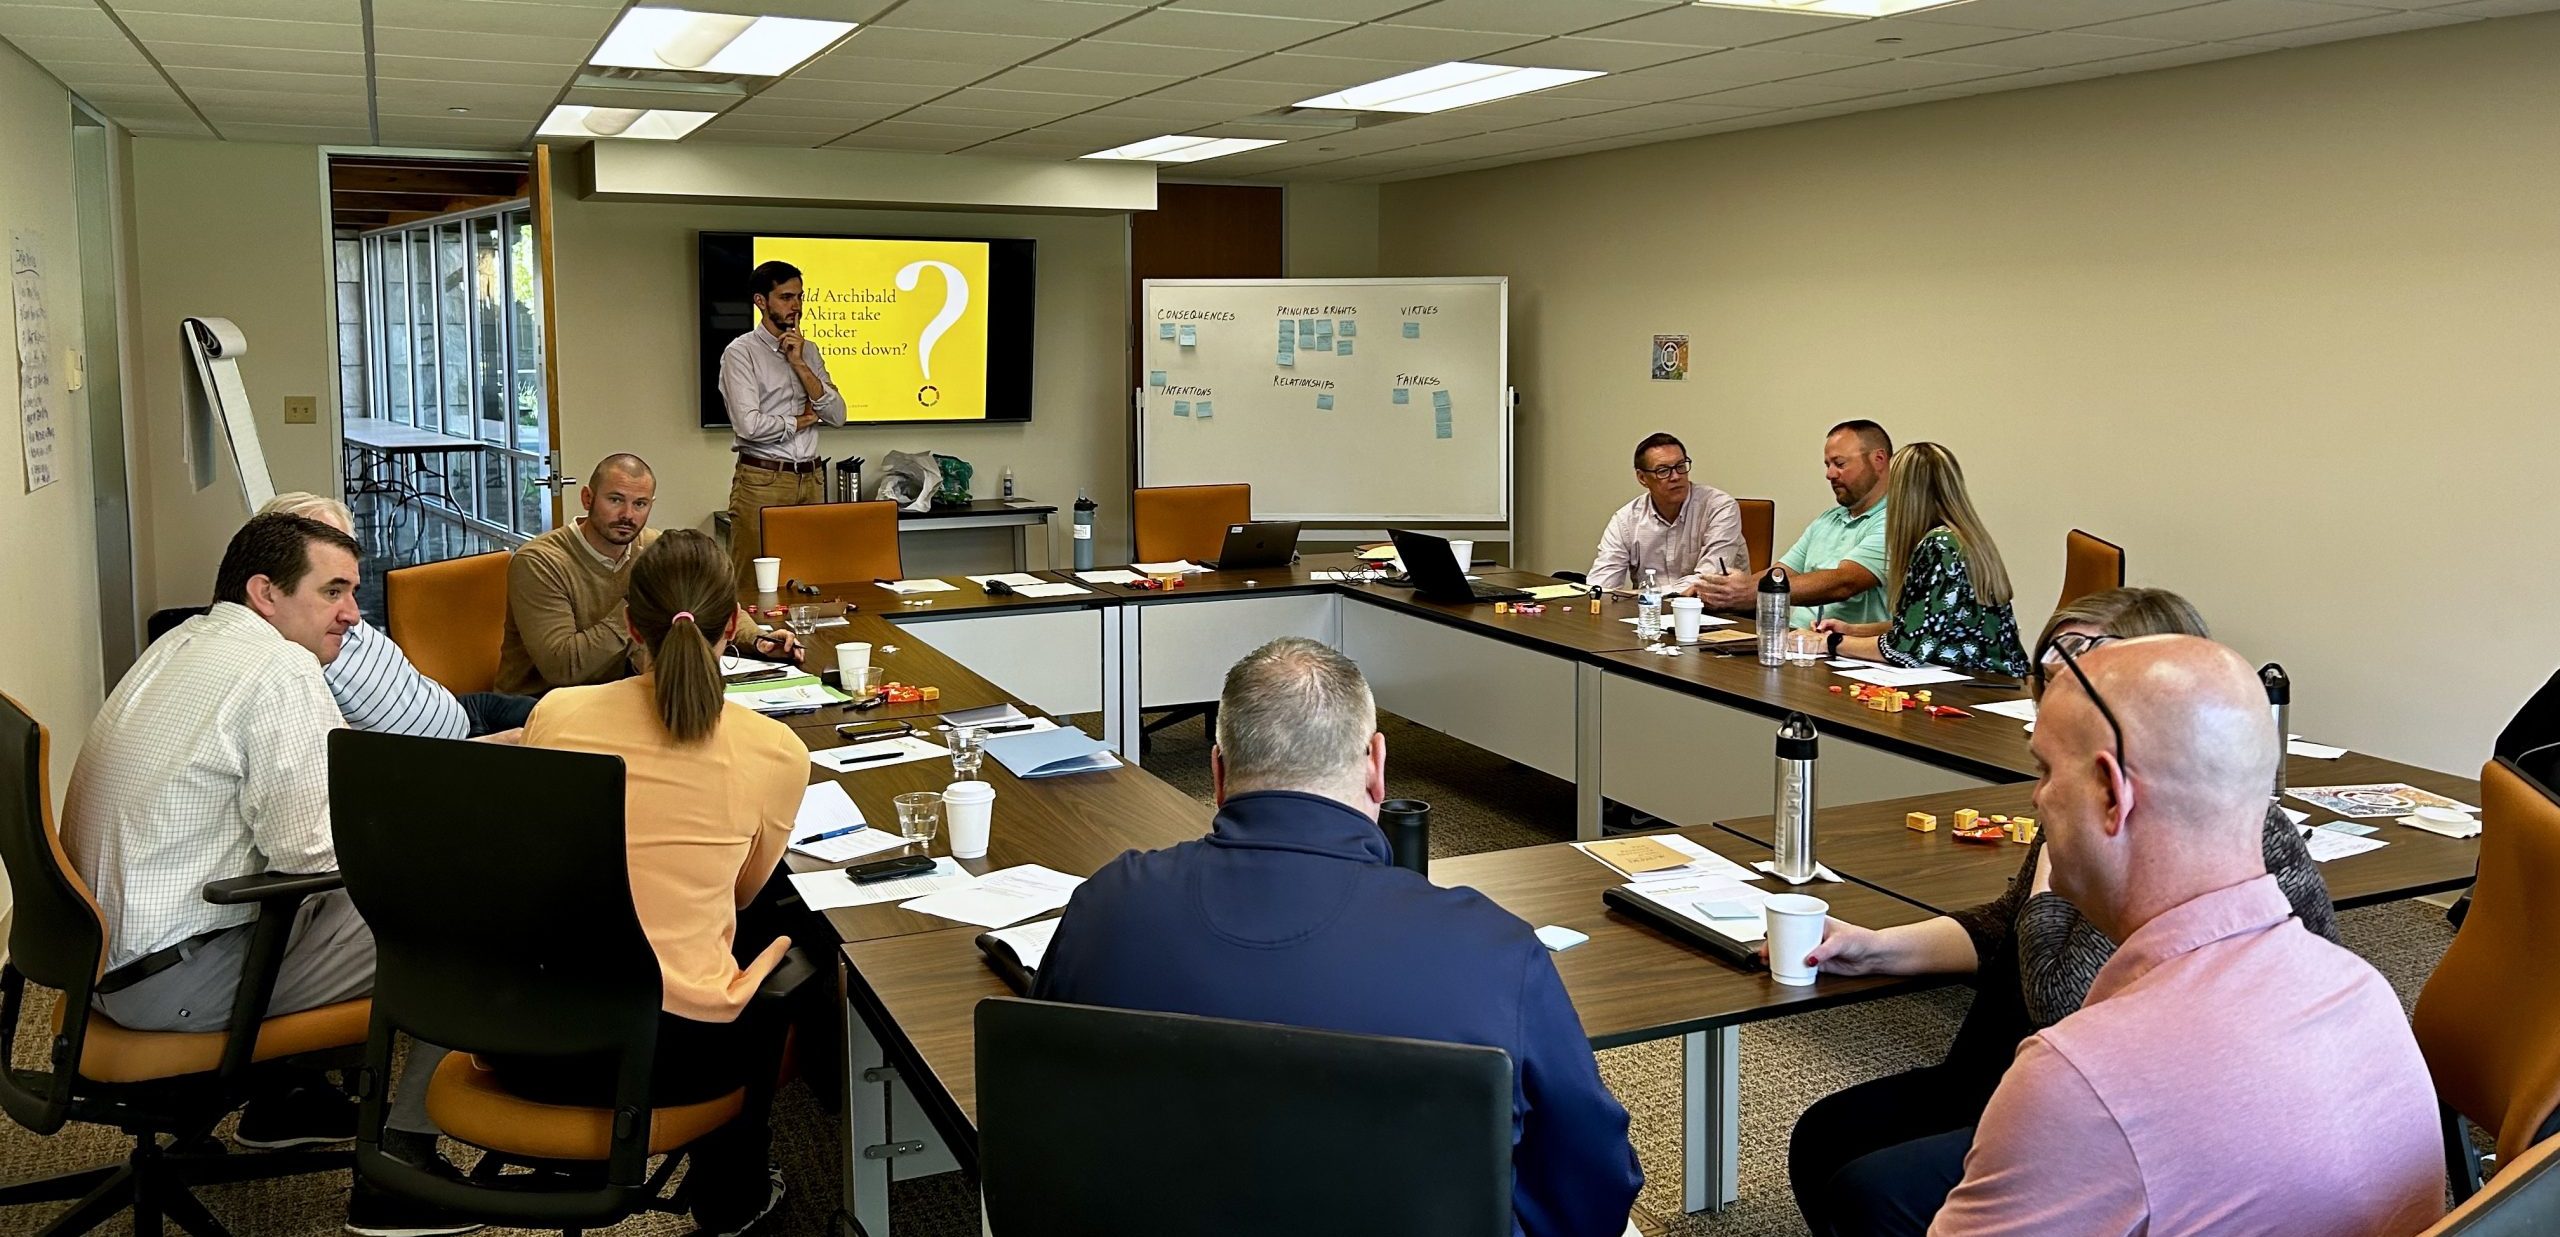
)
(1838, 565)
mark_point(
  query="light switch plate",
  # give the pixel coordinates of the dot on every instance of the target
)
(301, 409)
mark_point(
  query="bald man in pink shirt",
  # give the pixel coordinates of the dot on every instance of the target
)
(2231, 1073)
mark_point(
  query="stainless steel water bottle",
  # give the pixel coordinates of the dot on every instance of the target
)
(1776, 607)
(1084, 531)
(2279, 687)
(1793, 803)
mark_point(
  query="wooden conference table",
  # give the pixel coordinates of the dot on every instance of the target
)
(1568, 690)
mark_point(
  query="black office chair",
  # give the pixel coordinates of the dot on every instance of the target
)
(1129, 1124)
(498, 889)
(162, 622)
(149, 1084)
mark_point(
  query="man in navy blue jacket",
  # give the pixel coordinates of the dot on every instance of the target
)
(1290, 912)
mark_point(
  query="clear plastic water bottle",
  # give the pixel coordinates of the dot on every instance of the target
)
(1775, 609)
(1649, 608)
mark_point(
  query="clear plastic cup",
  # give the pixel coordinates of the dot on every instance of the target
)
(920, 815)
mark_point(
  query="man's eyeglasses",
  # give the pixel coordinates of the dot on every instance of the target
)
(2067, 649)
(1667, 471)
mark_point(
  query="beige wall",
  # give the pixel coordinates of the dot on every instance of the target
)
(48, 545)
(1331, 231)
(2284, 326)
(225, 230)
(628, 364)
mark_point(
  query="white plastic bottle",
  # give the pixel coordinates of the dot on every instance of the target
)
(1649, 609)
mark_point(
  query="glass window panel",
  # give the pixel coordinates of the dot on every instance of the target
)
(495, 500)
(524, 314)
(350, 346)
(453, 328)
(458, 485)
(422, 326)
(350, 260)
(533, 505)
(488, 344)
(392, 334)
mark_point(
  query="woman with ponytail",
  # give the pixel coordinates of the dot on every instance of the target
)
(710, 789)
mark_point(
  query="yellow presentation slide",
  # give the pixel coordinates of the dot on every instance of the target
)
(902, 323)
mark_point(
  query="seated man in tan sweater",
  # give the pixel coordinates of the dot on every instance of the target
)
(565, 624)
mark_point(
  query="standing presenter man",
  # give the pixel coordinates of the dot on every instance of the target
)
(777, 390)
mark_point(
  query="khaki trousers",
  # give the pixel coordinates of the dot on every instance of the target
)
(753, 489)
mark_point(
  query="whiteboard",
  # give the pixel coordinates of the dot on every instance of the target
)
(1239, 375)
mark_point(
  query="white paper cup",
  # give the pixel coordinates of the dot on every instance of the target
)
(968, 808)
(2443, 816)
(1795, 927)
(852, 657)
(1685, 615)
(768, 575)
(1464, 552)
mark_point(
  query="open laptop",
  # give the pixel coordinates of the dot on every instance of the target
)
(1438, 576)
(1259, 543)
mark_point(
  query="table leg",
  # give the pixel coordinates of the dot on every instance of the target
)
(1120, 721)
(1586, 752)
(866, 1123)
(1710, 1119)
(1022, 547)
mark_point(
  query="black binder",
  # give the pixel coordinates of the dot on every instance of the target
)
(1743, 954)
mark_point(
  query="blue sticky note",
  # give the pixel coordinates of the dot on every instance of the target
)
(1164, 330)
(1403, 395)
(1413, 330)
(1440, 400)
(1190, 335)
(1306, 326)
(1182, 408)
(1440, 428)
(1342, 347)
(1288, 359)
(1348, 328)
(1324, 403)
(1324, 328)
(1203, 411)
(1155, 377)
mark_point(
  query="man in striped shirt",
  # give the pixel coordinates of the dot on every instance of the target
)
(374, 683)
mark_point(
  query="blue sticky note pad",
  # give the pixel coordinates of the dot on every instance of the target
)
(1342, 346)
(1288, 358)
(1413, 330)
(1190, 335)
(1440, 400)
(1203, 411)
(1182, 408)
(1324, 403)
(1155, 377)
(1403, 395)
(1348, 328)
(1164, 330)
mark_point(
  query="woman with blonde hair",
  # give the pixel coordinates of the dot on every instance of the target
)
(1948, 590)
(711, 789)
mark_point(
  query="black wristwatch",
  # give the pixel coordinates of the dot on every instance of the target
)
(1833, 648)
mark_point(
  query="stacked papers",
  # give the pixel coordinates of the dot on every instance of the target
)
(1115, 575)
(1030, 941)
(1663, 857)
(878, 754)
(1001, 898)
(1046, 589)
(2327, 843)
(1179, 566)
(831, 889)
(1051, 753)
(1905, 676)
(903, 587)
(801, 693)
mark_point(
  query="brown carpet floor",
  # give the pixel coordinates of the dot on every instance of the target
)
(1479, 802)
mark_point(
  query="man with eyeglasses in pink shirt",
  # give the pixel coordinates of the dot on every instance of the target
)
(1679, 530)
(2230, 1072)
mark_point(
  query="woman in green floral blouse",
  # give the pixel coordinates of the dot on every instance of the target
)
(1950, 593)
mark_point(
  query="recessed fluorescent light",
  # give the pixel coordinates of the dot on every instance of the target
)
(1444, 86)
(1175, 149)
(727, 43)
(1833, 8)
(654, 124)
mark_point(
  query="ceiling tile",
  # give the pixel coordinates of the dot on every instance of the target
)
(2231, 19)
(1050, 102)
(1075, 81)
(1172, 111)
(1901, 75)
(1526, 16)
(1740, 67)
(496, 16)
(264, 59)
(1697, 25)
(2042, 14)
(309, 114)
(299, 135)
(18, 21)
(427, 98)
(1234, 32)
(2045, 51)
(895, 127)
(481, 45)
(944, 114)
(844, 119)
(1783, 94)
(1320, 74)
(838, 66)
(2502, 8)
(2358, 28)
(275, 10)
(497, 72)
(107, 98)
(52, 48)
(988, 52)
(301, 36)
(913, 145)
(78, 74)
(1546, 105)
(1060, 19)
(1601, 55)
(1218, 89)
(1154, 59)
(755, 137)
(1910, 38)
(1420, 44)
(2193, 53)
(1322, 10)
(1105, 132)
(229, 97)
(456, 132)
(249, 81)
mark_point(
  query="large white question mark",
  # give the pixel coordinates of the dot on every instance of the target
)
(955, 301)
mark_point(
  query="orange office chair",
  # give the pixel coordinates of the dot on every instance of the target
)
(2523, 1200)
(2089, 565)
(1187, 521)
(1759, 530)
(150, 1084)
(835, 543)
(2488, 1020)
(450, 617)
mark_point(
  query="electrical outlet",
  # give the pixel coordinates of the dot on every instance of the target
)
(301, 409)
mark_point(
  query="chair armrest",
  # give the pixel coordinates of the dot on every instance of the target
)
(787, 976)
(266, 886)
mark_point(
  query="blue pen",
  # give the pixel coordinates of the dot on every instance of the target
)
(830, 834)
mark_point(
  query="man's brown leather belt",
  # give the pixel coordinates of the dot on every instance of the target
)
(759, 461)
